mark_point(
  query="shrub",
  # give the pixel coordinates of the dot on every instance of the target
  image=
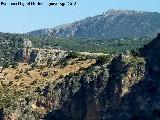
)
(49, 62)
(63, 63)
(41, 67)
(82, 69)
(6, 65)
(73, 74)
(72, 55)
(61, 76)
(17, 77)
(82, 58)
(45, 74)
(10, 83)
(70, 75)
(76, 74)
(14, 65)
(26, 71)
(102, 59)
(34, 65)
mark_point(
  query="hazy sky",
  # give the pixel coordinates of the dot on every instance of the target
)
(19, 19)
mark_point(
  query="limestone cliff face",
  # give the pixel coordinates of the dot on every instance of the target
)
(80, 96)
(98, 96)
(41, 56)
(141, 102)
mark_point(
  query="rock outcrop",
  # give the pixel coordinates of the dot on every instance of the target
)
(40, 56)
(100, 95)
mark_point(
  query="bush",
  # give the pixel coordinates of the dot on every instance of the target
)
(14, 65)
(34, 65)
(76, 74)
(41, 67)
(82, 69)
(49, 62)
(10, 83)
(45, 74)
(70, 75)
(63, 63)
(72, 55)
(17, 77)
(6, 65)
(102, 59)
(61, 76)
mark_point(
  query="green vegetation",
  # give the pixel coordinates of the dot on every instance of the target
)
(72, 55)
(71, 75)
(33, 65)
(5, 64)
(134, 60)
(110, 46)
(14, 64)
(136, 64)
(9, 45)
(102, 59)
(63, 63)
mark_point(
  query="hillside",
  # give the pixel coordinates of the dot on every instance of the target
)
(81, 87)
(9, 45)
(111, 46)
(12, 45)
(110, 24)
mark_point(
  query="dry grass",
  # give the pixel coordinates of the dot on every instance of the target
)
(25, 77)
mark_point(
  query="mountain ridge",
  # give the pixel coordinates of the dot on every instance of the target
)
(110, 24)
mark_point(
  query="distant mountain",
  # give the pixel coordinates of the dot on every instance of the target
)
(110, 24)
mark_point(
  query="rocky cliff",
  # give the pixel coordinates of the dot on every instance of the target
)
(124, 88)
(40, 56)
(127, 89)
(99, 93)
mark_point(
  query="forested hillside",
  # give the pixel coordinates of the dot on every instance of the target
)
(89, 44)
(9, 45)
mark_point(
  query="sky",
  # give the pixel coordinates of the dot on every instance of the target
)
(22, 19)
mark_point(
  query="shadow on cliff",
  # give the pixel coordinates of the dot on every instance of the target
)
(82, 101)
(143, 100)
(74, 107)
(1, 114)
